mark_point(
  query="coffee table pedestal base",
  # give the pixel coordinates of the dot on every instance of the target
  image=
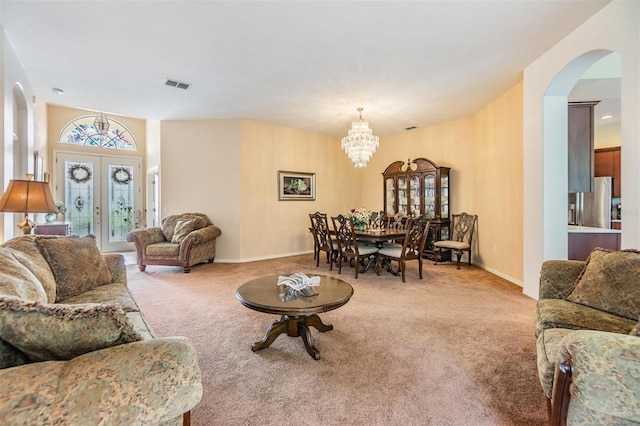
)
(294, 326)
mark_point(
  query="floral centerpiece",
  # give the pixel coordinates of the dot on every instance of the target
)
(360, 217)
(61, 207)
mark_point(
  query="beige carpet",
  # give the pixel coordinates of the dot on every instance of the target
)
(456, 348)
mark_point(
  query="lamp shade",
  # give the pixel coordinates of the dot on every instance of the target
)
(28, 196)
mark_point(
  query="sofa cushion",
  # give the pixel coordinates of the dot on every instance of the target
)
(46, 332)
(16, 280)
(27, 252)
(182, 229)
(163, 251)
(76, 263)
(557, 313)
(10, 356)
(610, 281)
(169, 223)
(116, 293)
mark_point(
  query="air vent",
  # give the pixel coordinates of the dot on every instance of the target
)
(177, 84)
(410, 128)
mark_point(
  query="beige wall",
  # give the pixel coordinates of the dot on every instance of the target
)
(276, 228)
(607, 135)
(227, 169)
(201, 172)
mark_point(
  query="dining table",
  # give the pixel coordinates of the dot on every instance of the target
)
(379, 236)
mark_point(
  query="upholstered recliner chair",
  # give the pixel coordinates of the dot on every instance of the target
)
(182, 240)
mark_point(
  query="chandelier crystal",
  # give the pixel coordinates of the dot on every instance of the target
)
(360, 143)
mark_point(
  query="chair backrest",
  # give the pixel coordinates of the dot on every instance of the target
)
(345, 234)
(320, 226)
(397, 221)
(377, 219)
(416, 236)
(462, 227)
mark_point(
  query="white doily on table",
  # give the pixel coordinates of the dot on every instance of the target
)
(298, 281)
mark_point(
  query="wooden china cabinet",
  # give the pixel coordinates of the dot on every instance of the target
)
(419, 187)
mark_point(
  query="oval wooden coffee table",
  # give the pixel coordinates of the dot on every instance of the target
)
(297, 312)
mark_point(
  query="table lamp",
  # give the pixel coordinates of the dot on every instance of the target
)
(27, 196)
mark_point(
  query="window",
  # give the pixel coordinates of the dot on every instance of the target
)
(81, 131)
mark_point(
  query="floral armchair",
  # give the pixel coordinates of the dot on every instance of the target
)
(182, 240)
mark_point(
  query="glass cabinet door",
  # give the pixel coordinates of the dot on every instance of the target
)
(403, 195)
(414, 184)
(430, 195)
(390, 194)
(444, 198)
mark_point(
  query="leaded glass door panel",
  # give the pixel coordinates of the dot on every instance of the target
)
(102, 196)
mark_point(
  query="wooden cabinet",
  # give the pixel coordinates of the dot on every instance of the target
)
(607, 163)
(580, 143)
(582, 243)
(419, 187)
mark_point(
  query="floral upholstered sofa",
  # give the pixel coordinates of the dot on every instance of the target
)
(588, 349)
(75, 348)
(182, 240)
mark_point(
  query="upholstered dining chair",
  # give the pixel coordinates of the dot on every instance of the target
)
(348, 247)
(461, 238)
(322, 238)
(412, 248)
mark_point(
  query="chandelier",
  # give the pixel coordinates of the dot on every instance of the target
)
(101, 124)
(360, 144)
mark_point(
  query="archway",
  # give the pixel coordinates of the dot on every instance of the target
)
(16, 159)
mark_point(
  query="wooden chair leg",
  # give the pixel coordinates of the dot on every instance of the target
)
(186, 419)
(458, 256)
(420, 267)
(435, 255)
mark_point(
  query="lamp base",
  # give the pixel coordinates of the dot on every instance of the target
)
(26, 225)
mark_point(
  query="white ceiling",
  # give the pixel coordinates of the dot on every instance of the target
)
(301, 64)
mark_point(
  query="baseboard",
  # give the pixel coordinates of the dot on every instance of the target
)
(253, 259)
(501, 275)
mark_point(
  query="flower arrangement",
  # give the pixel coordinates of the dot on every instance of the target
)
(360, 217)
(61, 207)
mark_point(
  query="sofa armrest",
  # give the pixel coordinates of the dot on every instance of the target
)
(116, 264)
(557, 278)
(144, 237)
(203, 235)
(597, 378)
(146, 382)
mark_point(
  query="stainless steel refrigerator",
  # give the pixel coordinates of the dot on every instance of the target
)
(592, 208)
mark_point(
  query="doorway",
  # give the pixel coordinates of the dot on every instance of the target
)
(102, 196)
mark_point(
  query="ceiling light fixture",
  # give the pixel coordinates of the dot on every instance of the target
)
(101, 124)
(360, 143)
(57, 91)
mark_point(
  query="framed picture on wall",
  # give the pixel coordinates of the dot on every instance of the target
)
(296, 186)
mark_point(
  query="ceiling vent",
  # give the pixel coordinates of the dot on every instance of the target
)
(177, 84)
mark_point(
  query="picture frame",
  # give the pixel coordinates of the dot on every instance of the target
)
(296, 186)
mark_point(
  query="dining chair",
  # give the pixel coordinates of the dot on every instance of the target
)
(348, 247)
(322, 238)
(412, 247)
(396, 222)
(462, 230)
(312, 229)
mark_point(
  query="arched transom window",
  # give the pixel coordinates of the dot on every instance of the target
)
(84, 131)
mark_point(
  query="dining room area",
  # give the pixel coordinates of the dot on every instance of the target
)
(415, 225)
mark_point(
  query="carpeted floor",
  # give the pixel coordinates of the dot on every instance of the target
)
(456, 348)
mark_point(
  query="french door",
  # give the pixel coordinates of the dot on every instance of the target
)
(102, 196)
